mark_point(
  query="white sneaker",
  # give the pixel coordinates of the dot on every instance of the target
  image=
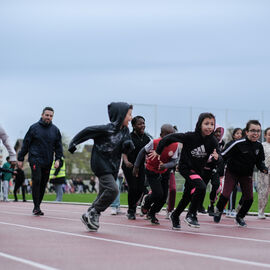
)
(228, 213)
(114, 211)
(233, 214)
(261, 216)
(168, 214)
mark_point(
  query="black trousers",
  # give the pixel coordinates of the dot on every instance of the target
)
(215, 182)
(40, 177)
(135, 187)
(17, 186)
(194, 193)
(159, 184)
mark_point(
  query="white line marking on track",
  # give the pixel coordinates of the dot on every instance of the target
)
(152, 229)
(31, 263)
(171, 250)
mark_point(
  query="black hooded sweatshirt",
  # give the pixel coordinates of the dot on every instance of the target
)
(110, 141)
(196, 148)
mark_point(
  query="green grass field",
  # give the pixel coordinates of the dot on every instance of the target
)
(88, 198)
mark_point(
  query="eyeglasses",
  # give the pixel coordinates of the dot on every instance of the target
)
(255, 131)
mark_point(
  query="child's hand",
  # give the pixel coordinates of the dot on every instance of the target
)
(128, 164)
(153, 154)
(135, 171)
(215, 154)
(161, 166)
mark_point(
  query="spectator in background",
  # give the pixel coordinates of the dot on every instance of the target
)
(7, 177)
(19, 183)
(93, 184)
(115, 206)
(58, 177)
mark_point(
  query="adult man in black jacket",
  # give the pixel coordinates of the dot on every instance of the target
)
(42, 141)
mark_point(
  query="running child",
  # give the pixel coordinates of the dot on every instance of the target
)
(157, 173)
(110, 141)
(241, 157)
(197, 148)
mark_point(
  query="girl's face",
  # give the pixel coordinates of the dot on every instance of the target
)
(267, 136)
(238, 134)
(127, 119)
(139, 127)
(208, 126)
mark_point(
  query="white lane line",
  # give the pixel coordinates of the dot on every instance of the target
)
(31, 263)
(171, 250)
(155, 229)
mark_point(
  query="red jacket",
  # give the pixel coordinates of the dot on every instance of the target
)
(165, 157)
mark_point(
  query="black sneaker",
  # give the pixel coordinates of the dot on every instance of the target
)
(131, 216)
(175, 221)
(37, 212)
(192, 221)
(211, 210)
(154, 220)
(202, 210)
(240, 222)
(90, 228)
(144, 211)
(217, 215)
(93, 218)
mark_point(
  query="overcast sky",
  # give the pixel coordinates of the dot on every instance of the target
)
(77, 56)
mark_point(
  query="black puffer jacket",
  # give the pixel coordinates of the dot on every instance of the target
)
(110, 141)
(42, 141)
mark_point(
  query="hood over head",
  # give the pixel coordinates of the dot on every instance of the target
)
(117, 112)
(221, 131)
(201, 117)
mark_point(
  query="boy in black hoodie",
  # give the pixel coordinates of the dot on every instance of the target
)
(110, 141)
(197, 148)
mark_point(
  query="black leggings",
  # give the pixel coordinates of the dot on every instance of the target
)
(194, 193)
(17, 186)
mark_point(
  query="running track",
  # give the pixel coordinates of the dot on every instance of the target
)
(59, 240)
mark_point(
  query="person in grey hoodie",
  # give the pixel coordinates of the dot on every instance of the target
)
(110, 141)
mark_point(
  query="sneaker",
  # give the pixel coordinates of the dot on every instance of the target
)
(261, 216)
(202, 210)
(15, 200)
(144, 211)
(217, 215)
(147, 217)
(93, 218)
(84, 220)
(228, 214)
(154, 220)
(168, 214)
(233, 214)
(37, 212)
(210, 210)
(175, 222)
(131, 216)
(240, 222)
(114, 211)
(192, 221)
(24, 200)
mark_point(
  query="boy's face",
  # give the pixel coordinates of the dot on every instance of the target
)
(128, 118)
(208, 126)
(254, 132)
(218, 134)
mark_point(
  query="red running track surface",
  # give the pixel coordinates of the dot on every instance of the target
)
(59, 240)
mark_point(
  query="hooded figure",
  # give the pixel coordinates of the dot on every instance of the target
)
(110, 141)
(197, 148)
